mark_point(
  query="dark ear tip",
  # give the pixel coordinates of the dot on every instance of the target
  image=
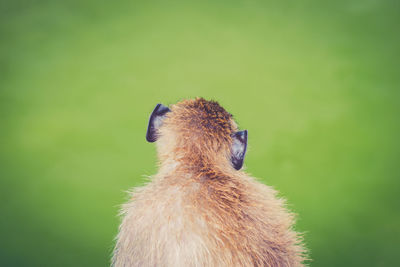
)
(242, 136)
(150, 139)
(159, 111)
(239, 148)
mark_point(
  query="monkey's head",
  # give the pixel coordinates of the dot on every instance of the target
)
(197, 132)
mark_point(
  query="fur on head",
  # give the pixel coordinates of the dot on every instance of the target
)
(197, 132)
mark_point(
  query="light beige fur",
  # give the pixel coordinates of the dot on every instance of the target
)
(198, 210)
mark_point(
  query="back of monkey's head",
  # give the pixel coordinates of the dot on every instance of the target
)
(196, 127)
(207, 119)
(197, 132)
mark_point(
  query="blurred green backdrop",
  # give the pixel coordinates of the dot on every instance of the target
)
(316, 83)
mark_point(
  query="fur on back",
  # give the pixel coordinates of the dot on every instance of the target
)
(198, 210)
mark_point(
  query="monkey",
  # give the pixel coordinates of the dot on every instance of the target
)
(201, 209)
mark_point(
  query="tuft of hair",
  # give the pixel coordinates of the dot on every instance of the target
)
(198, 210)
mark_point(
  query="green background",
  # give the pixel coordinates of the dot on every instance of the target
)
(316, 84)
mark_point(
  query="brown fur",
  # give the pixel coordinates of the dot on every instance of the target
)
(198, 210)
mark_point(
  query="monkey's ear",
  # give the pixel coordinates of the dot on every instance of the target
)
(155, 121)
(239, 148)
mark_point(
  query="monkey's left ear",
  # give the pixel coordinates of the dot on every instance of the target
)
(155, 121)
(239, 148)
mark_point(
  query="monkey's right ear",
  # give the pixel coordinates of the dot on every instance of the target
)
(239, 148)
(155, 121)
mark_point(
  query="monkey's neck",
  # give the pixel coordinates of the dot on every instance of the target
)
(195, 166)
